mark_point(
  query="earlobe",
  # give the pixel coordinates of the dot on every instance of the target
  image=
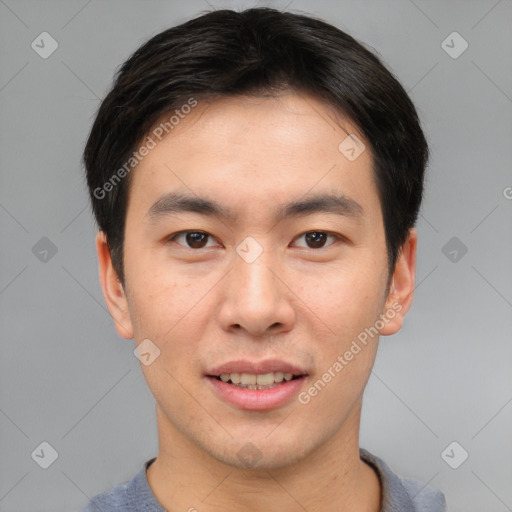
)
(401, 290)
(113, 290)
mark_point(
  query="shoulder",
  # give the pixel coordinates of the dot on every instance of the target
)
(118, 498)
(131, 496)
(424, 497)
(401, 493)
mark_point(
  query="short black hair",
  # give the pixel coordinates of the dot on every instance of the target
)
(257, 51)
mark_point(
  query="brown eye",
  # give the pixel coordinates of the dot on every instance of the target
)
(193, 239)
(316, 239)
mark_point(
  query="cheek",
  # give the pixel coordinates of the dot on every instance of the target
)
(346, 299)
(346, 307)
(162, 296)
(174, 310)
(345, 346)
(173, 317)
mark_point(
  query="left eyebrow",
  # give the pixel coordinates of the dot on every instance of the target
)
(321, 203)
(172, 203)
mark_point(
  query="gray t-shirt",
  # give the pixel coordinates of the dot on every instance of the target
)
(399, 494)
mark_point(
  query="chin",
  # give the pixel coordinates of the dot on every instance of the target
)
(262, 453)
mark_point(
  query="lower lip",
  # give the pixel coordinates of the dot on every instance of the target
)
(257, 399)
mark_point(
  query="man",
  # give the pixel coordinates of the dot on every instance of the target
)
(256, 177)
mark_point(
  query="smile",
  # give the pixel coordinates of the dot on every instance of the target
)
(256, 381)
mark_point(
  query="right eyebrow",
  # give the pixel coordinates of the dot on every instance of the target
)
(174, 202)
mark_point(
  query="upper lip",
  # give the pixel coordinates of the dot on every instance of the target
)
(256, 367)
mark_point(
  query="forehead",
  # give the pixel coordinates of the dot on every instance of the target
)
(260, 148)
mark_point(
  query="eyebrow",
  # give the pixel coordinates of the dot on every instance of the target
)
(175, 203)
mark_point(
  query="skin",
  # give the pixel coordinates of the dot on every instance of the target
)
(202, 307)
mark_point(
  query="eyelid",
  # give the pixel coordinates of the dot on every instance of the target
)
(337, 237)
(171, 238)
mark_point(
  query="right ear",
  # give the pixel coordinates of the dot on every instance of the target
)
(113, 290)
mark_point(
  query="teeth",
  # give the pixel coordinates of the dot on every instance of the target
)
(252, 381)
(247, 378)
(265, 379)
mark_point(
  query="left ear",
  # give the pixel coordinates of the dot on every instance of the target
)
(401, 290)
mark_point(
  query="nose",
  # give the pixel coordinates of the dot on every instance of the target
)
(257, 298)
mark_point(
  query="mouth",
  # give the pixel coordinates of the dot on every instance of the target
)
(256, 385)
(257, 381)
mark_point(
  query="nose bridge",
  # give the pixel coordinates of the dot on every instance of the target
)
(256, 299)
(251, 271)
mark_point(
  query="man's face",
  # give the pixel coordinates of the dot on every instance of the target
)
(254, 287)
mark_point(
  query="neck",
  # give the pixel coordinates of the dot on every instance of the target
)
(332, 478)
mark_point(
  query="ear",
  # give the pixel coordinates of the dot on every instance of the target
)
(113, 290)
(401, 290)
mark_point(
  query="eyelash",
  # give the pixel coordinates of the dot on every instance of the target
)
(329, 234)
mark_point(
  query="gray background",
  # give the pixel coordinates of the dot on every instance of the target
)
(68, 379)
